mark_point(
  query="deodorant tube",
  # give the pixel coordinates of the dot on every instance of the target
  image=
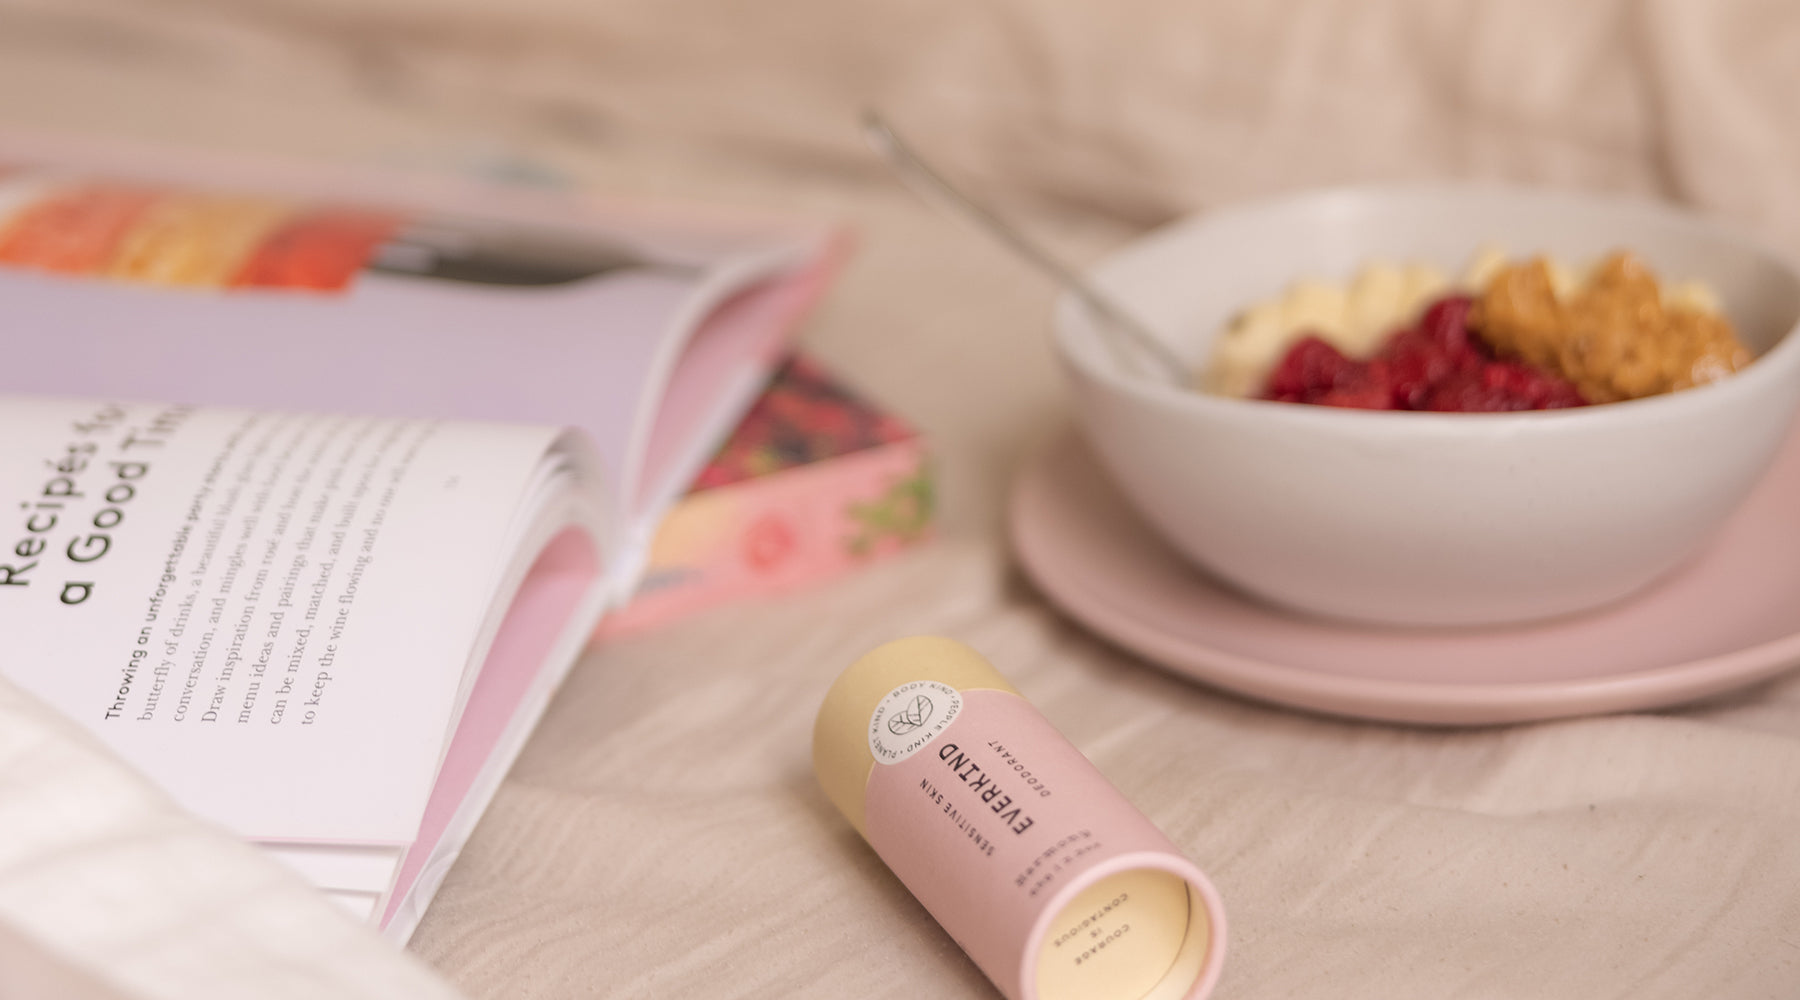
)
(1054, 884)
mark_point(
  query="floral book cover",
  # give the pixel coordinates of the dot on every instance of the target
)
(814, 483)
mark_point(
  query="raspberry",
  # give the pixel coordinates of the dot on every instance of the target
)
(1542, 390)
(1436, 365)
(1446, 323)
(1483, 390)
(1361, 395)
(1417, 362)
(1310, 369)
(1501, 386)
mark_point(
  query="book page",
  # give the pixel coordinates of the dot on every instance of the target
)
(390, 345)
(270, 614)
(215, 288)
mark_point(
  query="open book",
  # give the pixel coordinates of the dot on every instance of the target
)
(139, 274)
(413, 452)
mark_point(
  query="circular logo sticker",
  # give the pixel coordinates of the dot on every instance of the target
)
(909, 717)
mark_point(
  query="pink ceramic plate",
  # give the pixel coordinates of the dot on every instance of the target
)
(1730, 617)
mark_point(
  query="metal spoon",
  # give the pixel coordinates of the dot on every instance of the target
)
(1142, 345)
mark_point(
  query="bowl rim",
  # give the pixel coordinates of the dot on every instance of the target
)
(1070, 316)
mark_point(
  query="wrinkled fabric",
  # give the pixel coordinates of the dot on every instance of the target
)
(662, 835)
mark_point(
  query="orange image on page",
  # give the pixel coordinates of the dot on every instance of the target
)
(73, 231)
(196, 240)
(320, 250)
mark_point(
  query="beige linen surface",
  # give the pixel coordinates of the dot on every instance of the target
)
(662, 835)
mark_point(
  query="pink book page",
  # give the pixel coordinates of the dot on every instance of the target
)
(720, 371)
(541, 614)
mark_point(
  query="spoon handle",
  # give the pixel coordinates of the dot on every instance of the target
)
(929, 182)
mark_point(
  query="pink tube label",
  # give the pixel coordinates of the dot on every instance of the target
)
(990, 817)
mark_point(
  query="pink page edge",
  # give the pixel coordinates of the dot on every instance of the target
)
(563, 574)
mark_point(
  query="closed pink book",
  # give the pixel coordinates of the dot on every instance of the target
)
(814, 483)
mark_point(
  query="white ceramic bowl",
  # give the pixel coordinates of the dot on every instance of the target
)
(1417, 518)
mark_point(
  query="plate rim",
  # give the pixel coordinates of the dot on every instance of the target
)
(1371, 698)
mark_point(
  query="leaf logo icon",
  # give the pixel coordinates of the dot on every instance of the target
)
(911, 717)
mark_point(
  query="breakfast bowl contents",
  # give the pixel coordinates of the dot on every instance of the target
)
(1436, 364)
(1589, 405)
(1512, 335)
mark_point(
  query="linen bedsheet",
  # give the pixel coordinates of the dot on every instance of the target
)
(662, 835)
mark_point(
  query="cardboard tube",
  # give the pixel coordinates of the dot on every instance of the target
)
(1054, 884)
